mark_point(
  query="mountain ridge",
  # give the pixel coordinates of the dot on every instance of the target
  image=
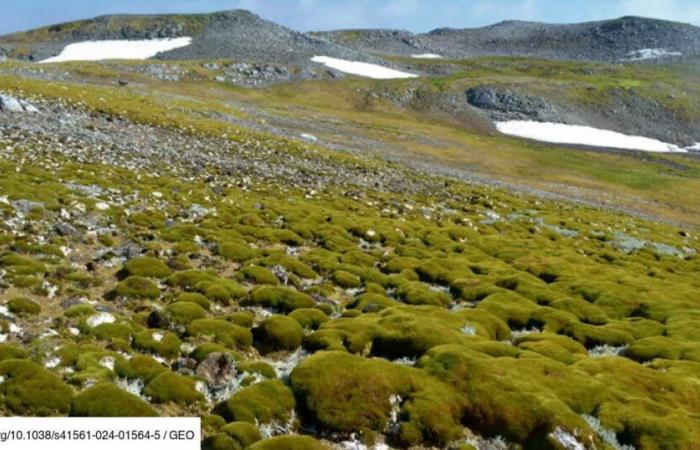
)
(604, 40)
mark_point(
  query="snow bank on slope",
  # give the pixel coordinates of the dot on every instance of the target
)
(651, 53)
(363, 69)
(99, 50)
(427, 56)
(560, 133)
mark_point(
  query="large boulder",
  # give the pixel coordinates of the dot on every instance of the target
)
(504, 104)
(15, 105)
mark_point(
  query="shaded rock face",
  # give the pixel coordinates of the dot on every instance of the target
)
(217, 368)
(503, 104)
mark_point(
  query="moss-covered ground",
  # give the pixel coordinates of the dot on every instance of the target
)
(449, 318)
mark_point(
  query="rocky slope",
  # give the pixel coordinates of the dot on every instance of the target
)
(610, 40)
(236, 34)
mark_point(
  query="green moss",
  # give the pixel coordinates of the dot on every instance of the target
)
(415, 293)
(260, 367)
(171, 387)
(147, 267)
(372, 303)
(107, 400)
(237, 251)
(81, 310)
(258, 275)
(278, 333)
(214, 288)
(201, 351)
(347, 393)
(183, 313)
(291, 264)
(30, 390)
(295, 442)
(346, 279)
(224, 332)
(244, 434)
(22, 265)
(163, 343)
(23, 306)
(117, 334)
(650, 348)
(138, 366)
(309, 318)
(280, 298)
(262, 402)
(194, 297)
(135, 287)
(244, 319)
(9, 351)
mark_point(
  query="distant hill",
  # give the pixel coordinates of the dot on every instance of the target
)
(240, 34)
(235, 34)
(608, 40)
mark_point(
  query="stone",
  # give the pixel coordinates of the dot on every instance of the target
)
(217, 368)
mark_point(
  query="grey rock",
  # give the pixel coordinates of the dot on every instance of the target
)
(65, 229)
(26, 206)
(504, 104)
(10, 104)
(217, 368)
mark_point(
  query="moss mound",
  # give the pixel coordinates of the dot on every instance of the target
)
(171, 387)
(243, 434)
(146, 267)
(280, 298)
(346, 393)
(30, 390)
(289, 443)
(309, 318)
(23, 306)
(182, 313)
(136, 287)
(278, 333)
(226, 333)
(263, 402)
(107, 400)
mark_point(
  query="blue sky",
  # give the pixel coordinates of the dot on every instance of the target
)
(304, 15)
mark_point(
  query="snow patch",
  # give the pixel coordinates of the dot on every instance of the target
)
(560, 133)
(427, 56)
(52, 362)
(362, 69)
(99, 319)
(651, 53)
(118, 49)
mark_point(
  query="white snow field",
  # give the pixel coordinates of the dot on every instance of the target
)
(363, 69)
(650, 53)
(427, 56)
(560, 133)
(99, 50)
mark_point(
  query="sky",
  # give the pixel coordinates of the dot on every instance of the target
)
(306, 15)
